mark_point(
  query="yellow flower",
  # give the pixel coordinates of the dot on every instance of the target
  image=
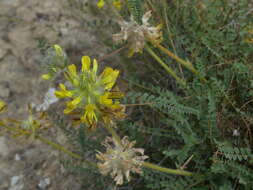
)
(100, 4)
(91, 94)
(63, 93)
(109, 77)
(58, 50)
(46, 76)
(2, 106)
(90, 115)
(117, 4)
(120, 159)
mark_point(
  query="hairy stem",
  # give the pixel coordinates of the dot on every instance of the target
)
(166, 67)
(186, 64)
(167, 170)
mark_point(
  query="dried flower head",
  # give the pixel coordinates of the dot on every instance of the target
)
(120, 159)
(137, 34)
(92, 94)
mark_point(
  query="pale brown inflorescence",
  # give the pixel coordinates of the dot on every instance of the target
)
(137, 34)
(120, 159)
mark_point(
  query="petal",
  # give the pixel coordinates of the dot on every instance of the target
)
(76, 101)
(85, 63)
(146, 17)
(2, 106)
(117, 4)
(100, 4)
(62, 87)
(69, 108)
(58, 50)
(72, 70)
(109, 77)
(115, 95)
(46, 76)
(105, 99)
(60, 94)
(63, 93)
(90, 116)
(95, 66)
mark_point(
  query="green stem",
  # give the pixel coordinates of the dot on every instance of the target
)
(113, 133)
(147, 164)
(166, 67)
(187, 64)
(167, 170)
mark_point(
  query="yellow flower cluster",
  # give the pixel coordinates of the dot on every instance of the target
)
(91, 93)
(116, 3)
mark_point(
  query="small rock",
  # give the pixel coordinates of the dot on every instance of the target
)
(4, 91)
(2, 53)
(49, 99)
(3, 48)
(16, 183)
(44, 183)
(4, 150)
(17, 157)
(236, 133)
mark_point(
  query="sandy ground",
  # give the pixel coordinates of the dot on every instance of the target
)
(24, 164)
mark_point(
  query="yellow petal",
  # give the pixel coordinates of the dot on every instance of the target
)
(117, 4)
(72, 70)
(62, 87)
(58, 50)
(85, 63)
(115, 95)
(64, 93)
(109, 77)
(100, 4)
(68, 110)
(90, 115)
(70, 107)
(2, 106)
(76, 101)
(105, 99)
(131, 52)
(95, 66)
(46, 76)
(60, 94)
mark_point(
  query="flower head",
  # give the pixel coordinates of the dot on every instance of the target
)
(137, 34)
(91, 93)
(54, 62)
(120, 159)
